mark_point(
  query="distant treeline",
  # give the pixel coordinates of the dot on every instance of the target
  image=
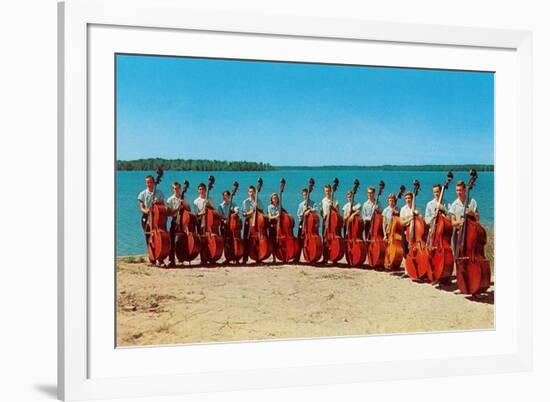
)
(424, 168)
(215, 165)
(192, 164)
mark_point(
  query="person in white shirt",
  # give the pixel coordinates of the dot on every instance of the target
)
(432, 206)
(174, 204)
(201, 203)
(458, 209)
(303, 210)
(326, 204)
(146, 199)
(348, 211)
(406, 214)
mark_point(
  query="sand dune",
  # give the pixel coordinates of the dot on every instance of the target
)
(229, 303)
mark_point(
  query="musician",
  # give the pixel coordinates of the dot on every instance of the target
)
(146, 198)
(201, 203)
(326, 202)
(368, 208)
(248, 209)
(433, 206)
(303, 211)
(457, 211)
(174, 204)
(225, 206)
(388, 213)
(457, 207)
(347, 207)
(406, 214)
(273, 212)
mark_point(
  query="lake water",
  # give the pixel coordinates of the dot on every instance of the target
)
(129, 235)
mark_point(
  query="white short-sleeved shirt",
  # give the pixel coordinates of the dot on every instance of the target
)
(325, 205)
(173, 202)
(146, 197)
(346, 207)
(200, 204)
(457, 208)
(431, 210)
(368, 209)
(406, 212)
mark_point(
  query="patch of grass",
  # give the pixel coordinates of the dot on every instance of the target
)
(490, 247)
(135, 259)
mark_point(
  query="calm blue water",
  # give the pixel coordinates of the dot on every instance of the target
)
(129, 236)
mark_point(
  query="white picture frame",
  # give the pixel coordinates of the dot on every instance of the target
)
(79, 377)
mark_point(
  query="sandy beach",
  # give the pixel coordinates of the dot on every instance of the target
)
(253, 302)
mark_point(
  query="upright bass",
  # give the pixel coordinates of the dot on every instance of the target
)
(356, 248)
(233, 243)
(473, 270)
(313, 243)
(417, 262)
(287, 244)
(376, 241)
(212, 242)
(158, 247)
(333, 243)
(394, 250)
(187, 241)
(260, 248)
(439, 240)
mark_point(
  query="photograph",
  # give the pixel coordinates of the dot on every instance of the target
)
(268, 200)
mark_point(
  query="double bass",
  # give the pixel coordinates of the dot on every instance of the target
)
(211, 241)
(473, 270)
(187, 241)
(417, 261)
(234, 246)
(394, 250)
(287, 245)
(333, 243)
(356, 248)
(260, 248)
(313, 243)
(375, 239)
(439, 241)
(158, 246)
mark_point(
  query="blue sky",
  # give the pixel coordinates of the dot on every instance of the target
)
(301, 114)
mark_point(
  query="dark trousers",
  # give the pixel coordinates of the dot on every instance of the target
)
(145, 227)
(246, 241)
(272, 234)
(173, 227)
(300, 244)
(405, 243)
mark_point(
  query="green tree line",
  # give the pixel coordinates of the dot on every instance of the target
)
(217, 165)
(192, 164)
(425, 168)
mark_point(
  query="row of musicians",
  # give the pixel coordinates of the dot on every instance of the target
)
(174, 202)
